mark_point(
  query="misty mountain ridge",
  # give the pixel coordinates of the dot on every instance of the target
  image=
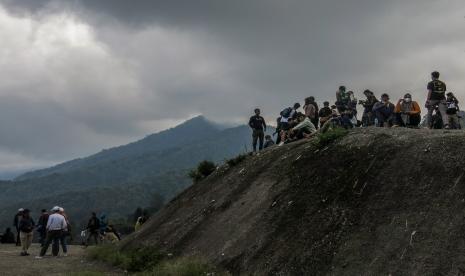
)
(155, 166)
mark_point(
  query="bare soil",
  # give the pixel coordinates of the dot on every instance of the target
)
(11, 263)
(377, 202)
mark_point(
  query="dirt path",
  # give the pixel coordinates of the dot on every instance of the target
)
(74, 264)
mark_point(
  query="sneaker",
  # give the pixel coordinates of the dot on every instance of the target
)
(280, 144)
(39, 257)
(446, 127)
(65, 255)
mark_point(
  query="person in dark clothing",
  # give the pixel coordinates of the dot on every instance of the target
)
(384, 111)
(93, 228)
(324, 114)
(26, 228)
(436, 98)
(16, 221)
(258, 125)
(8, 237)
(42, 226)
(268, 142)
(368, 117)
(452, 110)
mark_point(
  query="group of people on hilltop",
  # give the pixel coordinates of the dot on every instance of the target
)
(293, 124)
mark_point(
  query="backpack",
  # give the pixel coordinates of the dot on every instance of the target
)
(286, 113)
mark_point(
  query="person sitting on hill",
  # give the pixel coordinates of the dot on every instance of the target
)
(368, 117)
(8, 237)
(258, 126)
(407, 112)
(452, 110)
(285, 120)
(384, 111)
(268, 142)
(303, 129)
(325, 113)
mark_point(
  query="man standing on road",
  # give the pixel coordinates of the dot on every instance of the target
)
(436, 98)
(258, 125)
(55, 227)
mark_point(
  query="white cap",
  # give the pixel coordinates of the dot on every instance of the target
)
(20, 209)
(56, 209)
(61, 209)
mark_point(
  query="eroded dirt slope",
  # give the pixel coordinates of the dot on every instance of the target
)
(378, 201)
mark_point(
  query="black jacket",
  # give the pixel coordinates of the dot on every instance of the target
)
(257, 123)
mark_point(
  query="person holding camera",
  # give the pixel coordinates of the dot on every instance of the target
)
(368, 117)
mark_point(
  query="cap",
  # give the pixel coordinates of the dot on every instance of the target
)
(20, 209)
(56, 209)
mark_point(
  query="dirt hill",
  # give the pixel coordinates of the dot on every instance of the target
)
(375, 202)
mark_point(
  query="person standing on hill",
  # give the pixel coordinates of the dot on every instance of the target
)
(42, 226)
(93, 228)
(436, 98)
(16, 221)
(311, 110)
(258, 126)
(26, 228)
(55, 226)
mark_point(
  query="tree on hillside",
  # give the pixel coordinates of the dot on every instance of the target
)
(203, 170)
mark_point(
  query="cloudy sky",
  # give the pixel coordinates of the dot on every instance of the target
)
(81, 75)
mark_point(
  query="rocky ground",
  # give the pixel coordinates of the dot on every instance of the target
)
(376, 202)
(74, 264)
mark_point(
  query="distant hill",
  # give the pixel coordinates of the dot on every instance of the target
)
(154, 166)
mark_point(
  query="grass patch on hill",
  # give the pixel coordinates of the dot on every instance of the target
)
(330, 136)
(149, 261)
(236, 160)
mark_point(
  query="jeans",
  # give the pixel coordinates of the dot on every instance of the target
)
(258, 134)
(26, 240)
(52, 236)
(62, 241)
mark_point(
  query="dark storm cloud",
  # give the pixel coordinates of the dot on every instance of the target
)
(117, 69)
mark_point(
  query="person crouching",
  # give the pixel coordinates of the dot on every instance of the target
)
(407, 112)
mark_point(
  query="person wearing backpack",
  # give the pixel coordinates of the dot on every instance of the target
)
(258, 126)
(452, 110)
(26, 227)
(288, 115)
(436, 98)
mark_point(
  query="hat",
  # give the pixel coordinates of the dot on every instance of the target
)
(20, 209)
(61, 209)
(56, 209)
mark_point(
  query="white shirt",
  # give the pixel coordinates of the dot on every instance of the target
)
(56, 222)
